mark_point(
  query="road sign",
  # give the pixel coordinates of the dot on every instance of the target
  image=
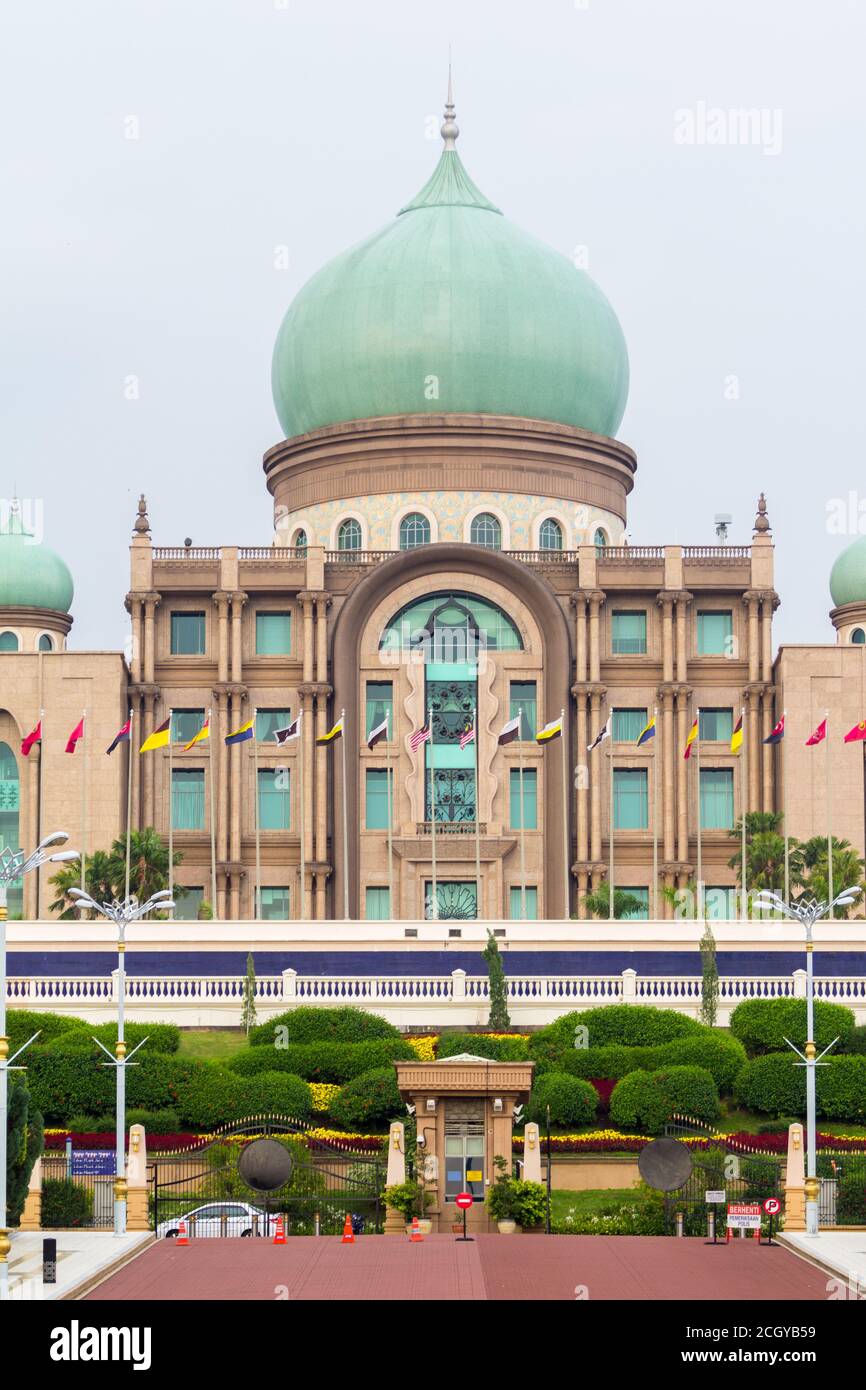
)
(464, 1200)
(744, 1216)
(772, 1206)
(715, 1195)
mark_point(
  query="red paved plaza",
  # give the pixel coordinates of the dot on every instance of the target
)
(493, 1267)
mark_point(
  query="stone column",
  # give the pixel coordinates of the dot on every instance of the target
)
(596, 599)
(531, 1153)
(222, 599)
(135, 743)
(136, 1181)
(751, 600)
(754, 747)
(238, 601)
(307, 731)
(768, 600)
(222, 799)
(795, 1180)
(31, 1216)
(683, 599)
(683, 692)
(666, 696)
(238, 800)
(396, 1174)
(150, 603)
(322, 756)
(597, 774)
(768, 751)
(147, 721)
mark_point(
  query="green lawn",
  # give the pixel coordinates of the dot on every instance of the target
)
(211, 1044)
(590, 1203)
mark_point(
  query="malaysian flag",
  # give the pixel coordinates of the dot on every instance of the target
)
(468, 735)
(420, 736)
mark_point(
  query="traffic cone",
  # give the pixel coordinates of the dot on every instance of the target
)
(182, 1238)
(348, 1233)
(416, 1236)
(280, 1233)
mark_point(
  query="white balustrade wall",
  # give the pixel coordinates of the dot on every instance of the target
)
(409, 1001)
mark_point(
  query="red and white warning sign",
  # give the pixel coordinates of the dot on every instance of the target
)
(772, 1206)
(744, 1216)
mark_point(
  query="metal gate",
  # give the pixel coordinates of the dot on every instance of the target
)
(742, 1174)
(202, 1184)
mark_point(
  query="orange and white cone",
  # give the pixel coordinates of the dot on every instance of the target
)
(182, 1237)
(280, 1233)
(416, 1236)
(348, 1233)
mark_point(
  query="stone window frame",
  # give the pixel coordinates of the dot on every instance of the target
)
(400, 516)
(192, 605)
(12, 632)
(339, 522)
(548, 515)
(481, 509)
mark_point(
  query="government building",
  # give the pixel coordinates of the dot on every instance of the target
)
(449, 552)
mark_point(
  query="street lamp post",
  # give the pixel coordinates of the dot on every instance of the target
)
(13, 866)
(807, 911)
(121, 913)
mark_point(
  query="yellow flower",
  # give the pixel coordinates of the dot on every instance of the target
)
(424, 1047)
(321, 1094)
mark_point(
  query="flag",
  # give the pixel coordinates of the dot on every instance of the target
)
(333, 734)
(468, 735)
(122, 736)
(550, 732)
(77, 733)
(160, 738)
(603, 733)
(778, 733)
(737, 736)
(376, 735)
(510, 731)
(648, 732)
(819, 735)
(241, 734)
(853, 735)
(203, 733)
(35, 736)
(291, 731)
(420, 736)
(693, 733)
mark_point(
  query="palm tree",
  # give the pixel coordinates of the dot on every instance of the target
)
(847, 869)
(97, 882)
(765, 852)
(625, 904)
(105, 874)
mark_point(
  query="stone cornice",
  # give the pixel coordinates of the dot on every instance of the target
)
(464, 1078)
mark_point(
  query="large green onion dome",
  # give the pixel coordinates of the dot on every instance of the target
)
(450, 309)
(848, 575)
(31, 575)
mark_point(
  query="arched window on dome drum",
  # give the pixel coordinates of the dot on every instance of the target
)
(349, 535)
(486, 531)
(46, 643)
(414, 531)
(9, 810)
(550, 535)
(8, 642)
(600, 539)
(858, 637)
(449, 626)
(300, 541)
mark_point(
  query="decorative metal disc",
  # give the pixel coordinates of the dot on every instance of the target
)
(265, 1165)
(665, 1164)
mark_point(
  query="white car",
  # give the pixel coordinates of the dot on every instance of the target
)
(219, 1219)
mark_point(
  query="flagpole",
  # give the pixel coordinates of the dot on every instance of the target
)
(130, 749)
(345, 819)
(522, 816)
(213, 887)
(566, 838)
(434, 906)
(40, 808)
(170, 818)
(785, 817)
(744, 867)
(391, 905)
(302, 905)
(700, 883)
(829, 831)
(610, 914)
(479, 896)
(83, 799)
(257, 906)
(655, 817)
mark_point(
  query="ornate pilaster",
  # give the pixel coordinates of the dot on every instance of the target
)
(682, 693)
(682, 599)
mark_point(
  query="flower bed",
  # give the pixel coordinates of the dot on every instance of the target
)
(55, 1140)
(612, 1141)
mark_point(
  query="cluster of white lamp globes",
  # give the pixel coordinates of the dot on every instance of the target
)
(13, 867)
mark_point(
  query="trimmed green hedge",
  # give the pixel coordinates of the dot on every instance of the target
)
(856, 1044)
(721, 1056)
(75, 1083)
(161, 1037)
(308, 1024)
(762, 1025)
(210, 1095)
(646, 1100)
(369, 1100)
(775, 1086)
(325, 1061)
(497, 1049)
(21, 1024)
(65, 1204)
(571, 1101)
(627, 1025)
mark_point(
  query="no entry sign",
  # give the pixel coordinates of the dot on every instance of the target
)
(464, 1200)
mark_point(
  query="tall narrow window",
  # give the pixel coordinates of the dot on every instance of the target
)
(715, 633)
(717, 798)
(187, 903)
(628, 725)
(530, 798)
(378, 905)
(268, 721)
(630, 806)
(300, 541)
(641, 913)
(628, 633)
(9, 810)
(187, 634)
(414, 531)
(523, 699)
(8, 642)
(273, 634)
(717, 725)
(275, 904)
(46, 643)
(380, 695)
(515, 903)
(720, 903)
(187, 798)
(600, 539)
(349, 535)
(274, 799)
(550, 535)
(376, 813)
(486, 531)
(185, 724)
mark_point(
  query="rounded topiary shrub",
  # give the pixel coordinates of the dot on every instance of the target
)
(21, 1024)
(278, 1093)
(209, 1095)
(308, 1024)
(154, 1121)
(723, 1057)
(572, 1101)
(851, 1199)
(626, 1025)
(161, 1037)
(647, 1100)
(773, 1085)
(65, 1204)
(762, 1025)
(841, 1089)
(856, 1043)
(371, 1099)
(332, 1062)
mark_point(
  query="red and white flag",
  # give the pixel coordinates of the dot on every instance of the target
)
(819, 735)
(77, 733)
(468, 736)
(857, 733)
(35, 736)
(420, 736)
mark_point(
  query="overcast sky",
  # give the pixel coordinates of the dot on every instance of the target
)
(156, 153)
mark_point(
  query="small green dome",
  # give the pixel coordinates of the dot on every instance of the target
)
(848, 575)
(450, 309)
(31, 575)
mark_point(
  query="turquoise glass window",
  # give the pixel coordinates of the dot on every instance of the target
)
(274, 904)
(187, 904)
(628, 633)
(642, 913)
(349, 535)
(715, 633)
(457, 901)
(628, 725)
(414, 531)
(600, 539)
(10, 804)
(630, 804)
(268, 721)
(530, 798)
(8, 642)
(187, 634)
(515, 902)
(187, 798)
(376, 813)
(858, 636)
(185, 724)
(717, 798)
(523, 697)
(378, 905)
(550, 535)
(485, 530)
(720, 904)
(413, 627)
(273, 634)
(380, 697)
(717, 725)
(274, 798)
(46, 643)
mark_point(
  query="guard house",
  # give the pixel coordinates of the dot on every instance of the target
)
(464, 1112)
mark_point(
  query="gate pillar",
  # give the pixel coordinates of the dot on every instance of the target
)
(31, 1216)
(136, 1179)
(795, 1181)
(396, 1174)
